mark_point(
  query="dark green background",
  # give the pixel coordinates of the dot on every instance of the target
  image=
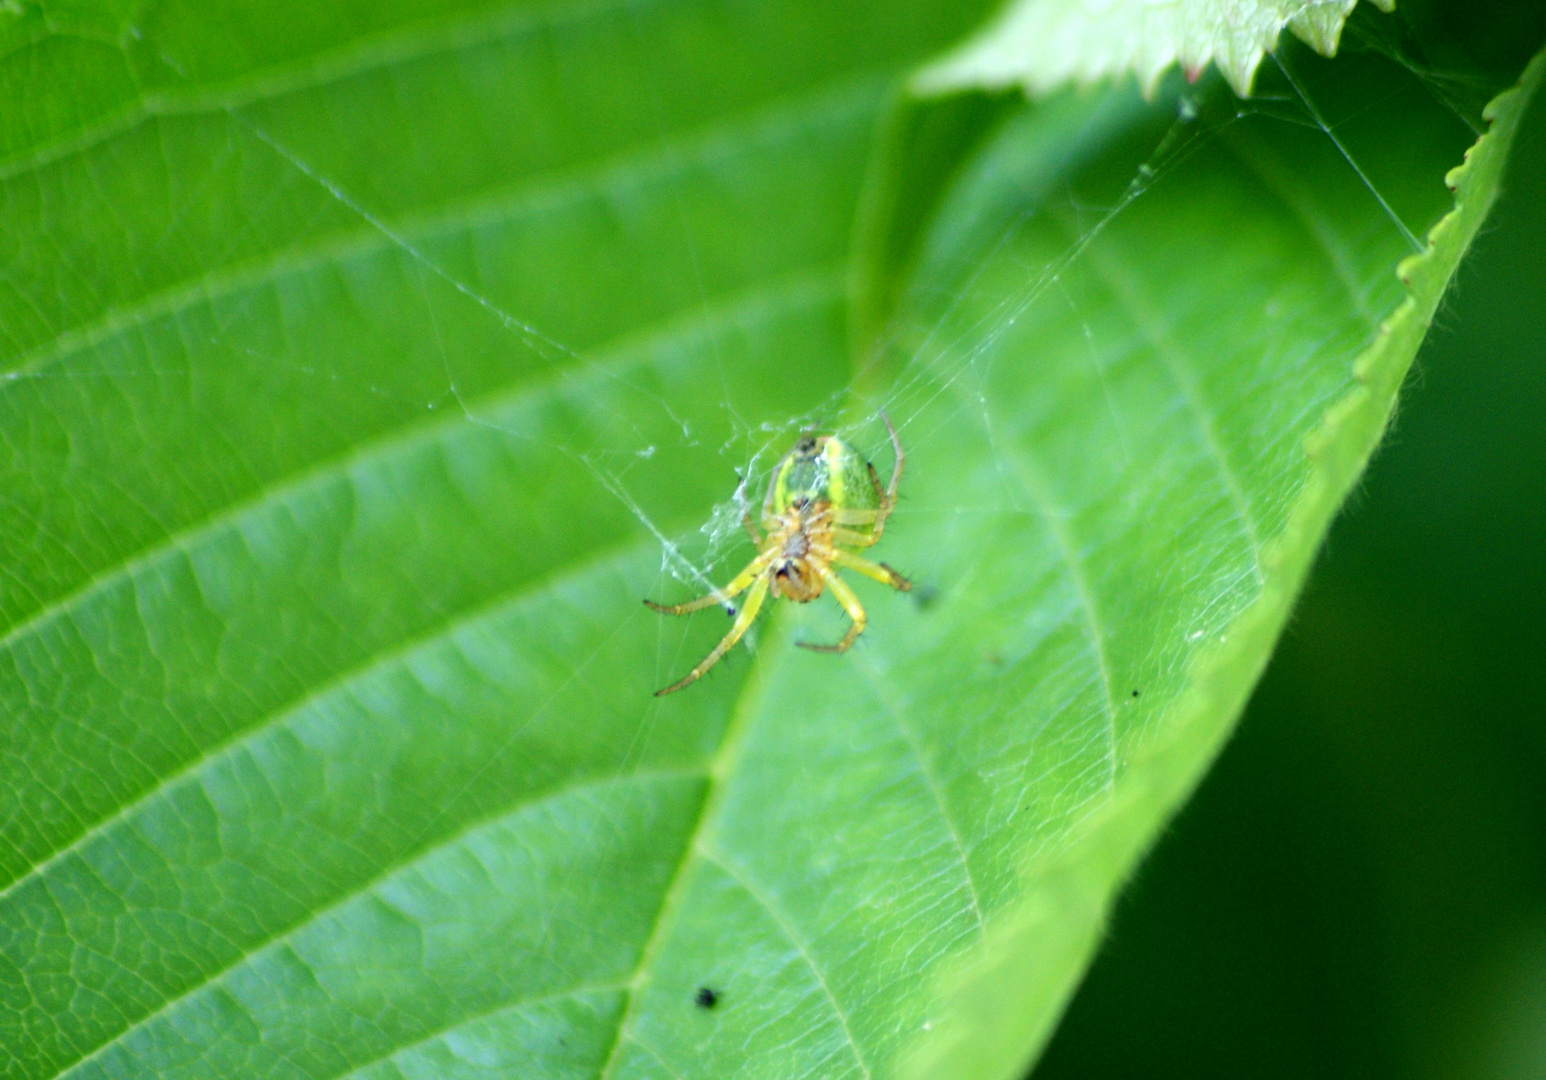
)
(1359, 887)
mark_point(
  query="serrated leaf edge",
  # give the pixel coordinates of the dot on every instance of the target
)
(1048, 937)
(1031, 46)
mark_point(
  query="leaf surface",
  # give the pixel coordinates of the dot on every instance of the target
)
(364, 368)
(1043, 45)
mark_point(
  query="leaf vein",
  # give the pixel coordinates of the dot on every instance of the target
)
(483, 1014)
(1031, 481)
(410, 859)
(766, 903)
(1294, 198)
(930, 781)
(729, 744)
(1119, 283)
(803, 289)
(538, 193)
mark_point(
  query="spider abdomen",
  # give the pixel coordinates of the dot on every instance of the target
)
(797, 581)
(822, 472)
(804, 546)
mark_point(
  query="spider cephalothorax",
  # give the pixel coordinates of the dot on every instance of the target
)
(823, 502)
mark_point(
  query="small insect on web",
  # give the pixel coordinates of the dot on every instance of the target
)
(824, 502)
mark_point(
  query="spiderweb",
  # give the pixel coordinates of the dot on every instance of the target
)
(926, 360)
(920, 357)
(752, 449)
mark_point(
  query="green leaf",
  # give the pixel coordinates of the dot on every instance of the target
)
(1045, 44)
(366, 365)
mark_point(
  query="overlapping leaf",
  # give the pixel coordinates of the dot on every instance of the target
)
(1045, 44)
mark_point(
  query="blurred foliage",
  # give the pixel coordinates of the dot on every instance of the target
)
(1359, 887)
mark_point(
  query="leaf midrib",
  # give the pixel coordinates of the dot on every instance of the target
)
(742, 712)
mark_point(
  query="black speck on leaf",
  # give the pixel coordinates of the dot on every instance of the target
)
(706, 997)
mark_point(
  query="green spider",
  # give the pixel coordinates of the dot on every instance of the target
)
(831, 500)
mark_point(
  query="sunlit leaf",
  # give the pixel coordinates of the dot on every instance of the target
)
(1045, 44)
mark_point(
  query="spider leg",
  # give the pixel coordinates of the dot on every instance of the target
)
(742, 621)
(737, 585)
(877, 571)
(751, 530)
(851, 605)
(853, 537)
